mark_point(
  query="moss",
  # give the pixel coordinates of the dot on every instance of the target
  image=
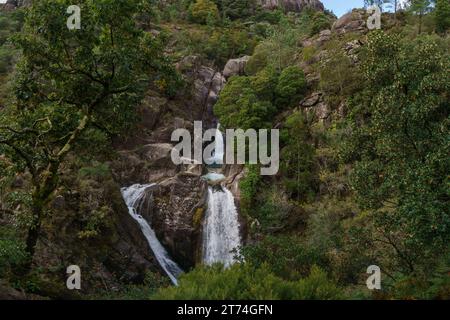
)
(198, 217)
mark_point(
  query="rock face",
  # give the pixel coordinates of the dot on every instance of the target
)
(292, 5)
(315, 105)
(179, 196)
(235, 67)
(179, 205)
(116, 254)
(354, 21)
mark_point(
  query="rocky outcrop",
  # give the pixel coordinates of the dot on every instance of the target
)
(179, 205)
(179, 194)
(355, 21)
(292, 5)
(314, 104)
(112, 254)
(235, 67)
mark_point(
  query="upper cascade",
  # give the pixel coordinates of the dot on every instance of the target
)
(292, 5)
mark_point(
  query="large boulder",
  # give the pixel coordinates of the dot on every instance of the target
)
(235, 67)
(354, 21)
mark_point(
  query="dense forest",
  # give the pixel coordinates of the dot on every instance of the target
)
(364, 147)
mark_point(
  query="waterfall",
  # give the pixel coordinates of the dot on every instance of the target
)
(219, 147)
(221, 236)
(221, 229)
(135, 197)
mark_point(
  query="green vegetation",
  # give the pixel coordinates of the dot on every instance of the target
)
(204, 12)
(53, 116)
(364, 167)
(247, 282)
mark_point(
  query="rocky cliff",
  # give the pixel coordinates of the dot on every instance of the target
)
(292, 5)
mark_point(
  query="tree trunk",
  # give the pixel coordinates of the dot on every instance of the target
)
(420, 23)
(33, 234)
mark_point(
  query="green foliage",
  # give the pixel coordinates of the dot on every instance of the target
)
(203, 11)
(240, 107)
(399, 143)
(442, 15)
(74, 86)
(217, 44)
(320, 21)
(297, 158)
(12, 251)
(249, 186)
(245, 282)
(251, 101)
(420, 8)
(99, 170)
(291, 86)
(287, 256)
(10, 23)
(237, 9)
(340, 77)
(152, 283)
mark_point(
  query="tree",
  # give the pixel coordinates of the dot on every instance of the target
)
(399, 144)
(237, 9)
(291, 86)
(297, 157)
(394, 4)
(442, 15)
(420, 8)
(72, 86)
(240, 107)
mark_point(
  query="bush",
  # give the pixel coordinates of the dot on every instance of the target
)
(246, 282)
(203, 11)
(288, 257)
(12, 252)
(291, 86)
(237, 9)
(320, 21)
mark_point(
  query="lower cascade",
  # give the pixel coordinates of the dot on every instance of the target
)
(135, 197)
(221, 237)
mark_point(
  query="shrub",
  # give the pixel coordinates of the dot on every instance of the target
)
(320, 21)
(291, 86)
(12, 251)
(246, 282)
(203, 11)
(288, 257)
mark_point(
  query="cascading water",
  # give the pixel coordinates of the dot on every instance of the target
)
(135, 197)
(221, 236)
(221, 230)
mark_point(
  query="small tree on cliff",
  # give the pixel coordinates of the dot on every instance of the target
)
(71, 86)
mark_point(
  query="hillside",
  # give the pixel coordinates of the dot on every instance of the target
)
(87, 175)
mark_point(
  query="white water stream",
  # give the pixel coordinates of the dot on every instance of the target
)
(135, 198)
(221, 235)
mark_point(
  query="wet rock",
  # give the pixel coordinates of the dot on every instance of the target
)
(178, 202)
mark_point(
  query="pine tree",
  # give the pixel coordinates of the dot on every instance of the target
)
(442, 15)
